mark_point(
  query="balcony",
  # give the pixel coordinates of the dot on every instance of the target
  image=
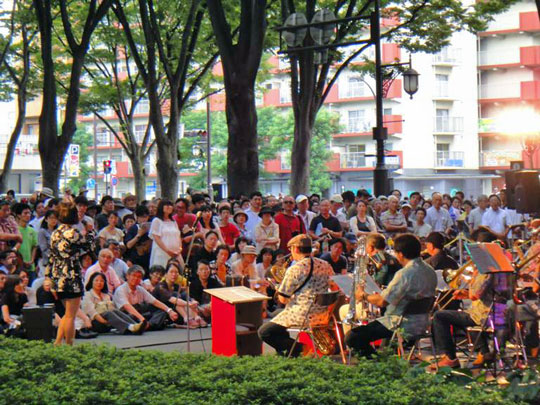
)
(449, 159)
(393, 123)
(352, 160)
(360, 160)
(359, 126)
(500, 91)
(447, 125)
(497, 159)
(26, 145)
(448, 56)
(504, 56)
(530, 56)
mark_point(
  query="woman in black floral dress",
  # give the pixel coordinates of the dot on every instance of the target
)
(68, 244)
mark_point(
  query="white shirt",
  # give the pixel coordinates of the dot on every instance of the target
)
(497, 221)
(124, 295)
(253, 220)
(307, 217)
(439, 220)
(36, 223)
(475, 218)
(121, 268)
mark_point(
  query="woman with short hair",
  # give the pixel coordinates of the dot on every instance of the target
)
(68, 244)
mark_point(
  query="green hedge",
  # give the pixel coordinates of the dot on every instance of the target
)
(38, 373)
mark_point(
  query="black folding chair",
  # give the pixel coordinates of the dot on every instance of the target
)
(422, 306)
(326, 300)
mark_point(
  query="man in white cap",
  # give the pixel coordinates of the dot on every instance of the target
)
(302, 205)
(246, 265)
(336, 211)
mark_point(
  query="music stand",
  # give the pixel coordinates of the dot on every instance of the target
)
(490, 258)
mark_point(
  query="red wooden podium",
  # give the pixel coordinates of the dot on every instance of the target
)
(236, 317)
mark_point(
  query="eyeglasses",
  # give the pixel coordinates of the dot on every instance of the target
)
(288, 202)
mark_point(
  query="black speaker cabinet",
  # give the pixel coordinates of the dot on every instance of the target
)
(527, 191)
(510, 180)
(38, 323)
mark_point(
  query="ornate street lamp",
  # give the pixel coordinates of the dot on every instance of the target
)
(410, 81)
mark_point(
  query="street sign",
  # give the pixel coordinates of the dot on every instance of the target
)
(73, 160)
(150, 188)
(114, 180)
(90, 183)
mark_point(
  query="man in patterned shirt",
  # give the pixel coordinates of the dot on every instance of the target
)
(303, 281)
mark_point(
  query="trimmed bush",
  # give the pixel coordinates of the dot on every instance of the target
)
(38, 373)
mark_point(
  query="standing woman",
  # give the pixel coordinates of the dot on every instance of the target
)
(48, 225)
(207, 223)
(362, 224)
(68, 244)
(166, 236)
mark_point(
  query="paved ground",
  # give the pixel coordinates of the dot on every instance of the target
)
(167, 340)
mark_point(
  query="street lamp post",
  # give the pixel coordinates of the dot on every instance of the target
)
(380, 133)
(208, 149)
(295, 29)
(381, 185)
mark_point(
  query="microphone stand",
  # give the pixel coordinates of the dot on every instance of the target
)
(187, 276)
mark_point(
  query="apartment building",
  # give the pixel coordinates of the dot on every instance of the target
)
(509, 91)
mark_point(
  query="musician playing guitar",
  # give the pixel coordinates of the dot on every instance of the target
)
(416, 280)
(306, 278)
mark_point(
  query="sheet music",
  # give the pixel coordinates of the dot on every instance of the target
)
(345, 282)
(489, 258)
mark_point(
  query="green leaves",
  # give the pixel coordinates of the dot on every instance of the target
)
(35, 373)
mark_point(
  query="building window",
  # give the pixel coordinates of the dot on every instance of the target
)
(285, 93)
(443, 153)
(355, 87)
(140, 130)
(355, 157)
(143, 107)
(285, 158)
(103, 137)
(441, 85)
(357, 122)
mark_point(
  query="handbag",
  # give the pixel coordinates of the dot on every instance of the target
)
(104, 306)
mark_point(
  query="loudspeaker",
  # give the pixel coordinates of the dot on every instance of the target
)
(510, 180)
(38, 323)
(527, 192)
(516, 165)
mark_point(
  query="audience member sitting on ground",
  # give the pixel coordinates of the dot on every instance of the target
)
(99, 307)
(12, 302)
(219, 267)
(133, 299)
(157, 272)
(168, 292)
(202, 282)
(104, 265)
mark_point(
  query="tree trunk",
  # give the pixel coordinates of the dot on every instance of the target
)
(167, 159)
(49, 154)
(10, 152)
(300, 156)
(139, 176)
(242, 153)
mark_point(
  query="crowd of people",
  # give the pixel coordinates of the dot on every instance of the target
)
(126, 266)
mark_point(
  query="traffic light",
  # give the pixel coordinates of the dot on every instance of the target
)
(107, 166)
